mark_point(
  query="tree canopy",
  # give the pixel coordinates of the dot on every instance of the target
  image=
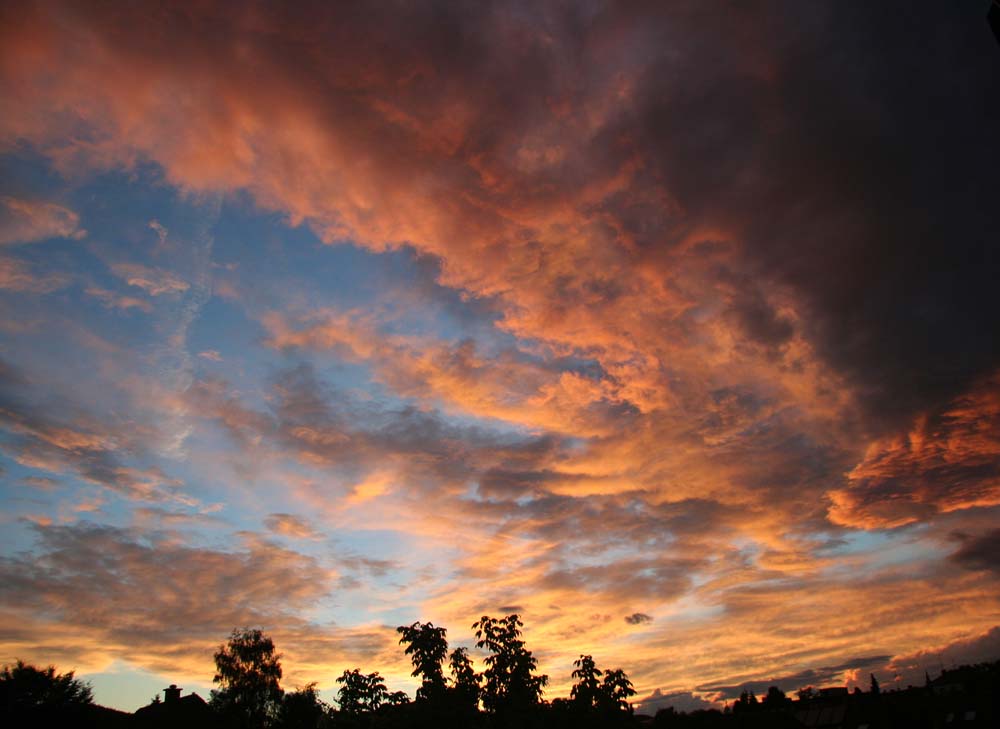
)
(303, 709)
(616, 691)
(466, 680)
(248, 670)
(361, 692)
(587, 689)
(427, 647)
(511, 685)
(26, 689)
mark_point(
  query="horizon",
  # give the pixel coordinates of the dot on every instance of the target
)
(671, 328)
(109, 684)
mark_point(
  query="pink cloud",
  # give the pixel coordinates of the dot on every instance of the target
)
(154, 281)
(28, 221)
(115, 301)
(16, 275)
(289, 525)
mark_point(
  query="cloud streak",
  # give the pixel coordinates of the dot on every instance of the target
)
(28, 221)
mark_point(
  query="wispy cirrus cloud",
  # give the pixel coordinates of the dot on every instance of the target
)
(17, 275)
(117, 301)
(44, 436)
(28, 221)
(154, 281)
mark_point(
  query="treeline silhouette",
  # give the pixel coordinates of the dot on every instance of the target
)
(507, 694)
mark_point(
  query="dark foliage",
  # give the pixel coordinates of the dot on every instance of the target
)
(247, 669)
(42, 697)
(511, 689)
(361, 693)
(775, 698)
(303, 709)
(31, 696)
(465, 680)
(24, 687)
(427, 647)
(586, 692)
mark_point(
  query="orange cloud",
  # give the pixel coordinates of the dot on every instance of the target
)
(946, 462)
(548, 235)
(509, 385)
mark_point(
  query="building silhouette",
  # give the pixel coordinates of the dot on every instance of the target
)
(191, 711)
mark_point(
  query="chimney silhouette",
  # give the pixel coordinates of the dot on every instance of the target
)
(171, 694)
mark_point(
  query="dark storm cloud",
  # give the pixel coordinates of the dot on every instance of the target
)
(946, 461)
(913, 667)
(979, 552)
(803, 130)
(869, 136)
(759, 320)
(877, 210)
(791, 682)
(684, 701)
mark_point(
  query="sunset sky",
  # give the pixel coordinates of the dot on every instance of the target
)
(671, 326)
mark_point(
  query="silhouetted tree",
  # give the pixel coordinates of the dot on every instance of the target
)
(746, 702)
(510, 688)
(360, 692)
(806, 693)
(775, 698)
(31, 696)
(397, 698)
(247, 670)
(466, 680)
(616, 691)
(585, 693)
(303, 709)
(427, 647)
(874, 688)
